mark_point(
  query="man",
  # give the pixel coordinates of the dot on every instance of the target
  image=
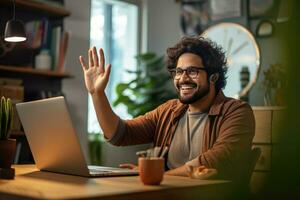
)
(202, 128)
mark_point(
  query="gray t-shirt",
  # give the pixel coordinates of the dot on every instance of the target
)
(186, 144)
(184, 147)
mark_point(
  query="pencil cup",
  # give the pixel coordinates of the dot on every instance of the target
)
(151, 170)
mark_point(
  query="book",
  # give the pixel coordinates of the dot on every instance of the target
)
(62, 52)
(46, 34)
(55, 46)
(37, 33)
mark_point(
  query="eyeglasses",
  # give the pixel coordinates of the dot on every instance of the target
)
(192, 72)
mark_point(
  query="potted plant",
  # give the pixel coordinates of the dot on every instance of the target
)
(95, 148)
(150, 88)
(7, 146)
(274, 84)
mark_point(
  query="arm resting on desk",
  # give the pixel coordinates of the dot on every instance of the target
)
(179, 171)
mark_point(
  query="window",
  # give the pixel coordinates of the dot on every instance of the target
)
(114, 27)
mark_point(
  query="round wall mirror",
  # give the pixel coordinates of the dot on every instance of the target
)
(243, 56)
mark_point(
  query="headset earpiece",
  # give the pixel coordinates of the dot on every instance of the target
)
(214, 77)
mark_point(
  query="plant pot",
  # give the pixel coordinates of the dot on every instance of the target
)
(7, 153)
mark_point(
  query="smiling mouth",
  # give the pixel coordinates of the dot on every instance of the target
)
(186, 88)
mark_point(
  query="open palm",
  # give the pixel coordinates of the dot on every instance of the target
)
(95, 75)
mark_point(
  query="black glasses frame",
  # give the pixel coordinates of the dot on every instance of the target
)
(188, 72)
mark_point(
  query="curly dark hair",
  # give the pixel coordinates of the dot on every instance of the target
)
(212, 55)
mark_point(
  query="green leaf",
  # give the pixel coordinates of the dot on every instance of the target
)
(10, 116)
(121, 87)
(149, 88)
(134, 72)
(145, 57)
(6, 117)
(156, 63)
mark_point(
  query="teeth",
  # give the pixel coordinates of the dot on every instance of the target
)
(186, 87)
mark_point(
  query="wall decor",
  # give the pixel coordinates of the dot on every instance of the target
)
(197, 15)
(241, 49)
(194, 16)
(263, 8)
(265, 28)
(225, 9)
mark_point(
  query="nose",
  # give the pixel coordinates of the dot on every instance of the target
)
(184, 76)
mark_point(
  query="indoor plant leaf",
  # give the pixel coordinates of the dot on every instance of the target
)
(150, 88)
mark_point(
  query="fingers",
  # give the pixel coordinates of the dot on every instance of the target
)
(189, 170)
(91, 60)
(84, 67)
(102, 60)
(95, 57)
(201, 168)
(107, 69)
(202, 172)
(128, 166)
(94, 60)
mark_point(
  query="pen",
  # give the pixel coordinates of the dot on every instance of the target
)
(156, 151)
(164, 152)
(141, 153)
(149, 153)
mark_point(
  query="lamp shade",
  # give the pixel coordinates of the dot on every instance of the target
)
(14, 31)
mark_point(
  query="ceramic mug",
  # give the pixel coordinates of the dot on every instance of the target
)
(151, 170)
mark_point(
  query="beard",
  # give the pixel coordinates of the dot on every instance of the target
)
(198, 94)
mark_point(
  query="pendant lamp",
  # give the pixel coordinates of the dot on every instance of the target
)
(14, 29)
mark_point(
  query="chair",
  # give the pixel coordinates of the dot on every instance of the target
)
(243, 189)
(254, 155)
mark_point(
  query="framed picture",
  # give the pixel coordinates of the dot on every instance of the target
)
(196, 15)
(225, 9)
(263, 8)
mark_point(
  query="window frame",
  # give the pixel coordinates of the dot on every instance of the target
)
(107, 42)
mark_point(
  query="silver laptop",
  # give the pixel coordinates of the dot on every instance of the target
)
(54, 142)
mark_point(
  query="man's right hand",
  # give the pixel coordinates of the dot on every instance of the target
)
(95, 74)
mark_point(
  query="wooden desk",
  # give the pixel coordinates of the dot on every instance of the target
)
(32, 184)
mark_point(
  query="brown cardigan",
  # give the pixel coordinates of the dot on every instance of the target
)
(227, 136)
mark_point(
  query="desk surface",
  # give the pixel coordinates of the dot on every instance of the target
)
(33, 184)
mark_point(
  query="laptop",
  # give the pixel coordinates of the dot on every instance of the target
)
(53, 141)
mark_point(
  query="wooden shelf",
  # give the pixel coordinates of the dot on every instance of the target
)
(39, 7)
(29, 70)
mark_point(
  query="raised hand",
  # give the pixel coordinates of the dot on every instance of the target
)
(95, 74)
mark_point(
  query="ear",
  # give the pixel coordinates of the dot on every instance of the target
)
(214, 77)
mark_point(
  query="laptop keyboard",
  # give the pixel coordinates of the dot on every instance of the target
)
(110, 171)
(99, 172)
